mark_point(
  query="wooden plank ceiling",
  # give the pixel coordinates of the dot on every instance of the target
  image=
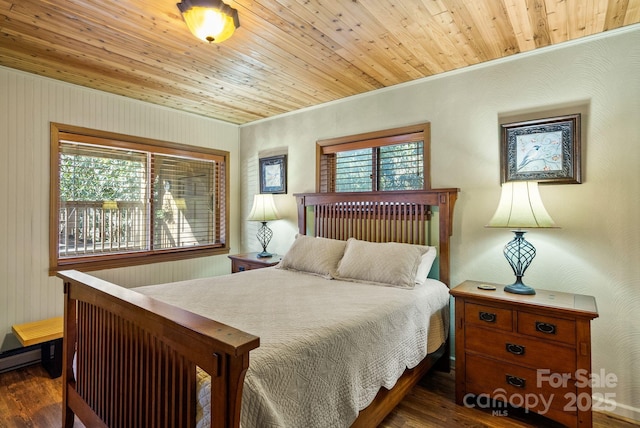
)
(287, 54)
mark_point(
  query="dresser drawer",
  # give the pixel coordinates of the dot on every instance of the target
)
(239, 266)
(488, 316)
(252, 261)
(546, 327)
(520, 387)
(521, 350)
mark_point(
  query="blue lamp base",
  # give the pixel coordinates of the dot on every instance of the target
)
(264, 236)
(519, 288)
(519, 253)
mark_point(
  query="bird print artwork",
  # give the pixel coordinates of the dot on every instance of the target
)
(531, 155)
(539, 152)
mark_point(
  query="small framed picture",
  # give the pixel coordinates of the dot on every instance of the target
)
(544, 150)
(273, 174)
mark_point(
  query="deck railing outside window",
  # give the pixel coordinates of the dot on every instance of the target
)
(89, 228)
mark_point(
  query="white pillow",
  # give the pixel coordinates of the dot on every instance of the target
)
(390, 263)
(319, 256)
(425, 265)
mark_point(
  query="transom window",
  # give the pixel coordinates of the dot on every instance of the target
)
(395, 159)
(121, 200)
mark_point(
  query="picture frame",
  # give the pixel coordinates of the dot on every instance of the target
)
(273, 174)
(543, 150)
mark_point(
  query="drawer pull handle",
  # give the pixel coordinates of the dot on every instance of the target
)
(487, 317)
(515, 349)
(241, 268)
(518, 382)
(545, 328)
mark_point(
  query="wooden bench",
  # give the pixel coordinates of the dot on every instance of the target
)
(47, 333)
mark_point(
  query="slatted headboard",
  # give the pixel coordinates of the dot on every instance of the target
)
(397, 216)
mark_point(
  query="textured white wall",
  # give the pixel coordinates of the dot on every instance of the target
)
(596, 252)
(28, 104)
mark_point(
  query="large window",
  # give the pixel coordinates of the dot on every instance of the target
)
(119, 200)
(394, 159)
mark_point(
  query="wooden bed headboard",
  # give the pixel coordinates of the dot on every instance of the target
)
(392, 216)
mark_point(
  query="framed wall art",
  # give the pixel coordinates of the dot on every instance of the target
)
(273, 174)
(543, 150)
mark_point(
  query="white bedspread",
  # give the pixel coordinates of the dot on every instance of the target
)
(326, 346)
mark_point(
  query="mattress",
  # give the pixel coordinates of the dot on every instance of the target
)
(326, 346)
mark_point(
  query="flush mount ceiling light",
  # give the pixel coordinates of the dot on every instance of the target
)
(209, 20)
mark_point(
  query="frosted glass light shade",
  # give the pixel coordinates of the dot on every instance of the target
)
(209, 20)
(263, 209)
(520, 206)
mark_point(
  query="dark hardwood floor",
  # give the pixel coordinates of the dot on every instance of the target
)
(432, 404)
(29, 398)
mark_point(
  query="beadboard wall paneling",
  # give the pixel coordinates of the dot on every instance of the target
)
(596, 250)
(250, 187)
(27, 106)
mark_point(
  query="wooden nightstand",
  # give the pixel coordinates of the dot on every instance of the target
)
(533, 351)
(250, 261)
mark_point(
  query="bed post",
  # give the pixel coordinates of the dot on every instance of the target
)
(446, 200)
(68, 341)
(226, 397)
(302, 214)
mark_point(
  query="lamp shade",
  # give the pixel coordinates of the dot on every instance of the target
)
(209, 20)
(520, 206)
(264, 209)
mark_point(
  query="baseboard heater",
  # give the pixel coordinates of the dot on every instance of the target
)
(21, 357)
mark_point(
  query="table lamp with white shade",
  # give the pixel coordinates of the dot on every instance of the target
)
(264, 210)
(520, 207)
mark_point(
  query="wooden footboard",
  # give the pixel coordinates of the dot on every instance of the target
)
(136, 358)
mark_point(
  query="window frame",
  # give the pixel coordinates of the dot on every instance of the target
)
(376, 139)
(121, 141)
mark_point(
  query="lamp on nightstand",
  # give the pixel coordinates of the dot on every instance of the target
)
(264, 210)
(520, 207)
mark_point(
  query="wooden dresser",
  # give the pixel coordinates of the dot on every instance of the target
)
(533, 351)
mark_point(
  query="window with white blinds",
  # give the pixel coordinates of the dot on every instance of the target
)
(353, 170)
(123, 200)
(395, 159)
(401, 166)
